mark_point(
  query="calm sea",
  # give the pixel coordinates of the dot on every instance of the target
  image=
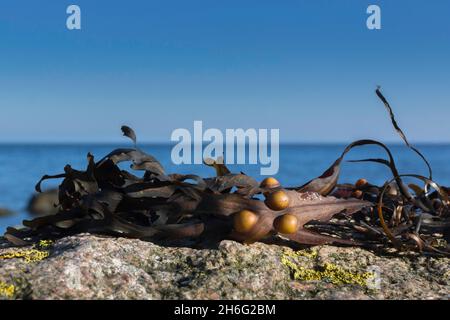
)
(22, 166)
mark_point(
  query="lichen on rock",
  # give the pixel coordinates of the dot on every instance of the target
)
(326, 272)
(29, 255)
(36, 253)
(6, 290)
(94, 267)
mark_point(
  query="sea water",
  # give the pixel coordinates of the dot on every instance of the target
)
(22, 165)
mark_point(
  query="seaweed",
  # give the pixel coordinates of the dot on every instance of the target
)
(155, 205)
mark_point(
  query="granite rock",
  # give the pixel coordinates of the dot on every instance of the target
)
(96, 267)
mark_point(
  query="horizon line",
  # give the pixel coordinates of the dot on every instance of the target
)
(159, 142)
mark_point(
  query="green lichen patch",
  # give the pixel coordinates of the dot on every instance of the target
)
(327, 272)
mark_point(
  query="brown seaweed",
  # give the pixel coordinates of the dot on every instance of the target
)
(400, 132)
(155, 205)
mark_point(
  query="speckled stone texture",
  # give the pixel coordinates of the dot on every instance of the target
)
(94, 267)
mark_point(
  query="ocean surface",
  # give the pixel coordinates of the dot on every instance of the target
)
(21, 166)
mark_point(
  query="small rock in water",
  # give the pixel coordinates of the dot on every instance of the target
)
(6, 212)
(44, 203)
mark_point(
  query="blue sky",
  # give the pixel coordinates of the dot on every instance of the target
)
(308, 68)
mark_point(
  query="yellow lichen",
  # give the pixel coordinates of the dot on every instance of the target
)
(310, 254)
(326, 272)
(45, 243)
(447, 275)
(6, 290)
(29, 255)
(37, 253)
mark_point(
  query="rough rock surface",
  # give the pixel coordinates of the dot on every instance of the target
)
(94, 267)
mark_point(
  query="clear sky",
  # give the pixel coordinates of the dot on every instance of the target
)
(307, 67)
